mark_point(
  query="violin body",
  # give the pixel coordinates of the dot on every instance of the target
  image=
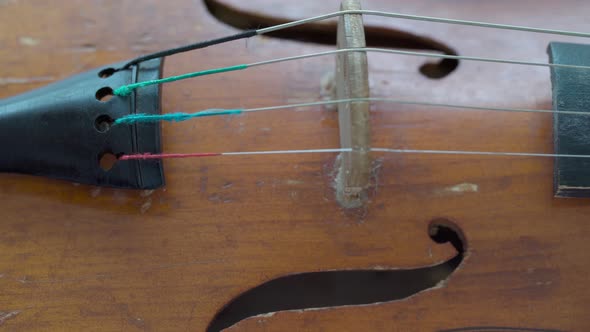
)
(77, 257)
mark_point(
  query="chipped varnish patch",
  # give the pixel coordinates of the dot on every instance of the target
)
(6, 315)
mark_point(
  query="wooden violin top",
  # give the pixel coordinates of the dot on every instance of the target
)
(82, 258)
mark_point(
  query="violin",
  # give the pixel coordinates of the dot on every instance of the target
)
(358, 166)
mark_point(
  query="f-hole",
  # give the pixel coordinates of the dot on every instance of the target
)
(344, 288)
(324, 33)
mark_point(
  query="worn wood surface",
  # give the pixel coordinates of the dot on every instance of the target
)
(81, 258)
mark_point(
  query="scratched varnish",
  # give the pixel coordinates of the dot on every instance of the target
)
(79, 258)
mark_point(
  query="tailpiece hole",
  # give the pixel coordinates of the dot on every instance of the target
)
(104, 94)
(106, 73)
(107, 161)
(103, 123)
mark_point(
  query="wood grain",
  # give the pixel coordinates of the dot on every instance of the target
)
(81, 258)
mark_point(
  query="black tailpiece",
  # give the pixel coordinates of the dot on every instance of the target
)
(64, 129)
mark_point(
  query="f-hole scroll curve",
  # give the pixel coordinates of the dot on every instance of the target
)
(317, 290)
(325, 33)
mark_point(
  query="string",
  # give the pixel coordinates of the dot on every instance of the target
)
(181, 116)
(148, 156)
(173, 117)
(252, 33)
(190, 47)
(127, 89)
(422, 18)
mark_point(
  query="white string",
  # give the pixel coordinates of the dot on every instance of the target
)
(422, 18)
(421, 54)
(481, 153)
(406, 102)
(408, 151)
(285, 152)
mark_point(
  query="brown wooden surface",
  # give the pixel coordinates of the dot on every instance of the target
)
(79, 258)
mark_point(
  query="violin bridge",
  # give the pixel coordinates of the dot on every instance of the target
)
(352, 81)
(571, 92)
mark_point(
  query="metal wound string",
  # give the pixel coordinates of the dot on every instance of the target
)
(181, 116)
(425, 19)
(127, 89)
(148, 156)
(251, 33)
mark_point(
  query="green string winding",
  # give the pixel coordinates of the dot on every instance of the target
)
(172, 117)
(126, 90)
